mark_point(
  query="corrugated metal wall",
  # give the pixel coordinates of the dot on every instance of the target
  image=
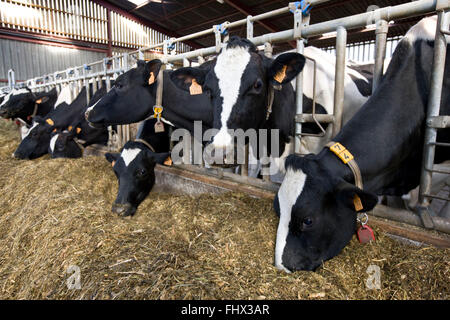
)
(30, 60)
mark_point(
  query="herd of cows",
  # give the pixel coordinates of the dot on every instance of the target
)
(384, 131)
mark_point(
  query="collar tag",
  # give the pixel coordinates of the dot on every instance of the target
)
(342, 153)
(357, 203)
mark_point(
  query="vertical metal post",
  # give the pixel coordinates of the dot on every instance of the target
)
(86, 83)
(299, 100)
(249, 27)
(434, 103)
(341, 42)
(268, 52)
(11, 79)
(380, 52)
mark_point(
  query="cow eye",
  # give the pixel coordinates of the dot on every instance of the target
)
(258, 84)
(307, 222)
(142, 172)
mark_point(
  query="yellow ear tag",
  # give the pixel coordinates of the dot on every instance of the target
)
(54, 130)
(357, 203)
(78, 130)
(50, 122)
(151, 80)
(113, 163)
(70, 128)
(39, 101)
(168, 161)
(195, 88)
(279, 77)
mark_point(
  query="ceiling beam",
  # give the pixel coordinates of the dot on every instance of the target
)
(236, 4)
(177, 13)
(209, 22)
(145, 22)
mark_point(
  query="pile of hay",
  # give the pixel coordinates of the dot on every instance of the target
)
(55, 214)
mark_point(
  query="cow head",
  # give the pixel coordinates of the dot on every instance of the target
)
(35, 143)
(63, 145)
(134, 89)
(317, 214)
(135, 169)
(20, 103)
(238, 84)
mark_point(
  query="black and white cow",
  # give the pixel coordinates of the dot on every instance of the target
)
(132, 98)
(71, 141)
(386, 136)
(36, 141)
(238, 82)
(24, 104)
(134, 167)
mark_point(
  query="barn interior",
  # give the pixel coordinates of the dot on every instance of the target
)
(201, 233)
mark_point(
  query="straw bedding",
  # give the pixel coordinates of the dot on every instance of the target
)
(56, 213)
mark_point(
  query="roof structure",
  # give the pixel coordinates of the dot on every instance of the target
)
(179, 18)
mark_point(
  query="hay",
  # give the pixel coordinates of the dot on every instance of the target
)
(56, 213)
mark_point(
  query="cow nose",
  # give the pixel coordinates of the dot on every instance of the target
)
(123, 209)
(2, 112)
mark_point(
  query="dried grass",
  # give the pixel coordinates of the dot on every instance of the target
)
(56, 213)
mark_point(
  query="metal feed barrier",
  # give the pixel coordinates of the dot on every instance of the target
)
(110, 68)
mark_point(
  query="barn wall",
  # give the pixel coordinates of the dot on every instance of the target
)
(364, 51)
(31, 60)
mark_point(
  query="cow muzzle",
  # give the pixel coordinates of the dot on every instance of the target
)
(123, 209)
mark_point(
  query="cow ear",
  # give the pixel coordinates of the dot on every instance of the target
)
(152, 69)
(159, 157)
(112, 157)
(187, 77)
(286, 67)
(355, 198)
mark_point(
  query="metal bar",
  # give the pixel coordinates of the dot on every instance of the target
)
(440, 224)
(434, 103)
(307, 118)
(380, 52)
(341, 43)
(298, 100)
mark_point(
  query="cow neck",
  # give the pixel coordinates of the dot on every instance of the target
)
(145, 143)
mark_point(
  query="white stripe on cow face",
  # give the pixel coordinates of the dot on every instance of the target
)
(289, 191)
(230, 67)
(13, 93)
(53, 142)
(35, 124)
(128, 155)
(92, 107)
